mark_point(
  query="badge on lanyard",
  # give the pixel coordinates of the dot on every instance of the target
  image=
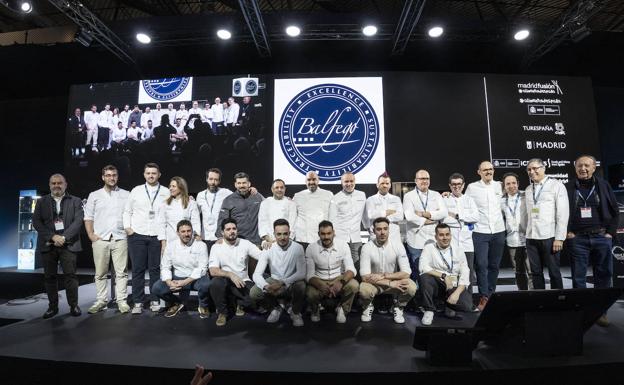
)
(586, 212)
(152, 214)
(58, 225)
(535, 212)
(454, 279)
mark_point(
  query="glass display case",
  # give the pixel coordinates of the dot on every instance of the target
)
(26, 234)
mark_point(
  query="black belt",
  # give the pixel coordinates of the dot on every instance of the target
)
(594, 231)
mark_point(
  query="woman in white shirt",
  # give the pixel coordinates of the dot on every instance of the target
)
(177, 207)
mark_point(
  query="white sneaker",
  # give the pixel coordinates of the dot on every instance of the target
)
(316, 315)
(340, 315)
(155, 306)
(297, 319)
(275, 315)
(367, 314)
(427, 318)
(123, 307)
(137, 309)
(398, 315)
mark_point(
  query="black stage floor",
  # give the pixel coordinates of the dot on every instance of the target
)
(150, 348)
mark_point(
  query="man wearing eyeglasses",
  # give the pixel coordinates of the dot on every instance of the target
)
(548, 212)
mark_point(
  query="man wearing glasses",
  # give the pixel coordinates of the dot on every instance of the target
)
(548, 212)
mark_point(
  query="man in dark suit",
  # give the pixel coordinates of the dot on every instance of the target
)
(58, 219)
(78, 133)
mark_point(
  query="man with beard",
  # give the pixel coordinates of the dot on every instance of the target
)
(312, 208)
(243, 206)
(209, 202)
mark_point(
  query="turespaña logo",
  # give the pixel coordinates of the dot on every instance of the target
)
(329, 128)
(166, 88)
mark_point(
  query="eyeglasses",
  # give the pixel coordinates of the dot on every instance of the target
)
(422, 178)
(529, 169)
(456, 184)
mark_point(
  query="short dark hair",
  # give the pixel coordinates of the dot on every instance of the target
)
(442, 226)
(226, 221)
(241, 175)
(184, 222)
(381, 219)
(507, 174)
(151, 165)
(215, 170)
(325, 223)
(456, 175)
(277, 180)
(108, 167)
(281, 222)
(384, 175)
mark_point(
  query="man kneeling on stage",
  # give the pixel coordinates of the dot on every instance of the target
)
(444, 275)
(228, 266)
(385, 269)
(330, 273)
(188, 259)
(286, 261)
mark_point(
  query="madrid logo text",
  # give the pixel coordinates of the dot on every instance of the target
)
(166, 88)
(330, 129)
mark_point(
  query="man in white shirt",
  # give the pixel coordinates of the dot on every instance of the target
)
(345, 212)
(206, 114)
(132, 135)
(514, 212)
(148, 132)
(91, 121)
(103, 217)
(184, 268)
(273, 208)
(232, 113)
(145, 117)
(119, 136)
(423, 209)
(228, 267)
(548, 211)
(139, 220)
(488, 236)
(193, 114)
(384, 268)
(383, 204)
(444, 275)
(218, 117)
(209, 202)
(312, 208)
(105, 125)
(182, 114)
(157, 115)
(330, 273)
(462, 215)
(286, 262)
(171, 112)
(124, 116)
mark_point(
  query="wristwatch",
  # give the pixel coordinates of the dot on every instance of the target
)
(443, 277)
(343, 282)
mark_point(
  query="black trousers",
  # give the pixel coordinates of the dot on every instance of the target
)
(433, 289)
(540, 254)
(221, 287)
(51, 261)
(144, 251)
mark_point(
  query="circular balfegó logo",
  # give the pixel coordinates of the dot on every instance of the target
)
(166, 88)
(251, 86)
(330, 129)
(237, 87)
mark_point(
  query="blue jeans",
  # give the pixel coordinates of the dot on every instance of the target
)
(414, 257)
(144, 251)
(594, 249)
(202, 286)
(488, 251)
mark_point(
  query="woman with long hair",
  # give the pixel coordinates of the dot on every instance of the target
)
(177, 207)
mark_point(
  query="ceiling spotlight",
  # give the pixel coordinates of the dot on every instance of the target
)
(143, 38)
(522, 34)
(436, 31)
(369, 30)
(224, 34)
(293, 31)
(26, 7)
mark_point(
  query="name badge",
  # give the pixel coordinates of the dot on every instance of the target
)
(586, 212)
(535, 212)
(152, 214)
(243, 114)
(454, 279)
(58, 226)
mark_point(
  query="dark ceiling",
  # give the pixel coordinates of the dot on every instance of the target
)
(579, 37)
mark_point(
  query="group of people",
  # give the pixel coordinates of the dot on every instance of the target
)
(112, 128)
(242, 251)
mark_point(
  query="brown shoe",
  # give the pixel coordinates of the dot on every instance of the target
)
(603, 321)
(174, 310)
(482, 302)
(221, 319)
(204, 312)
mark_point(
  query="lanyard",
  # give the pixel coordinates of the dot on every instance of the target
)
(591, 192)
(426, 202)
(444, 259)
(214, 197)
(513, 212)
(149, 198)
(536, 198)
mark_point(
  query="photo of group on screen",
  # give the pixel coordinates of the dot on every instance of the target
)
(123, 130)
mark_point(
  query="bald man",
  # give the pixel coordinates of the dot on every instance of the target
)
(312, 208)
(58, 219)
(345, 212)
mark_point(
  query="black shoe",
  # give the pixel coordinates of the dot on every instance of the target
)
(51, 312)
(452, 314)
(75, 311)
